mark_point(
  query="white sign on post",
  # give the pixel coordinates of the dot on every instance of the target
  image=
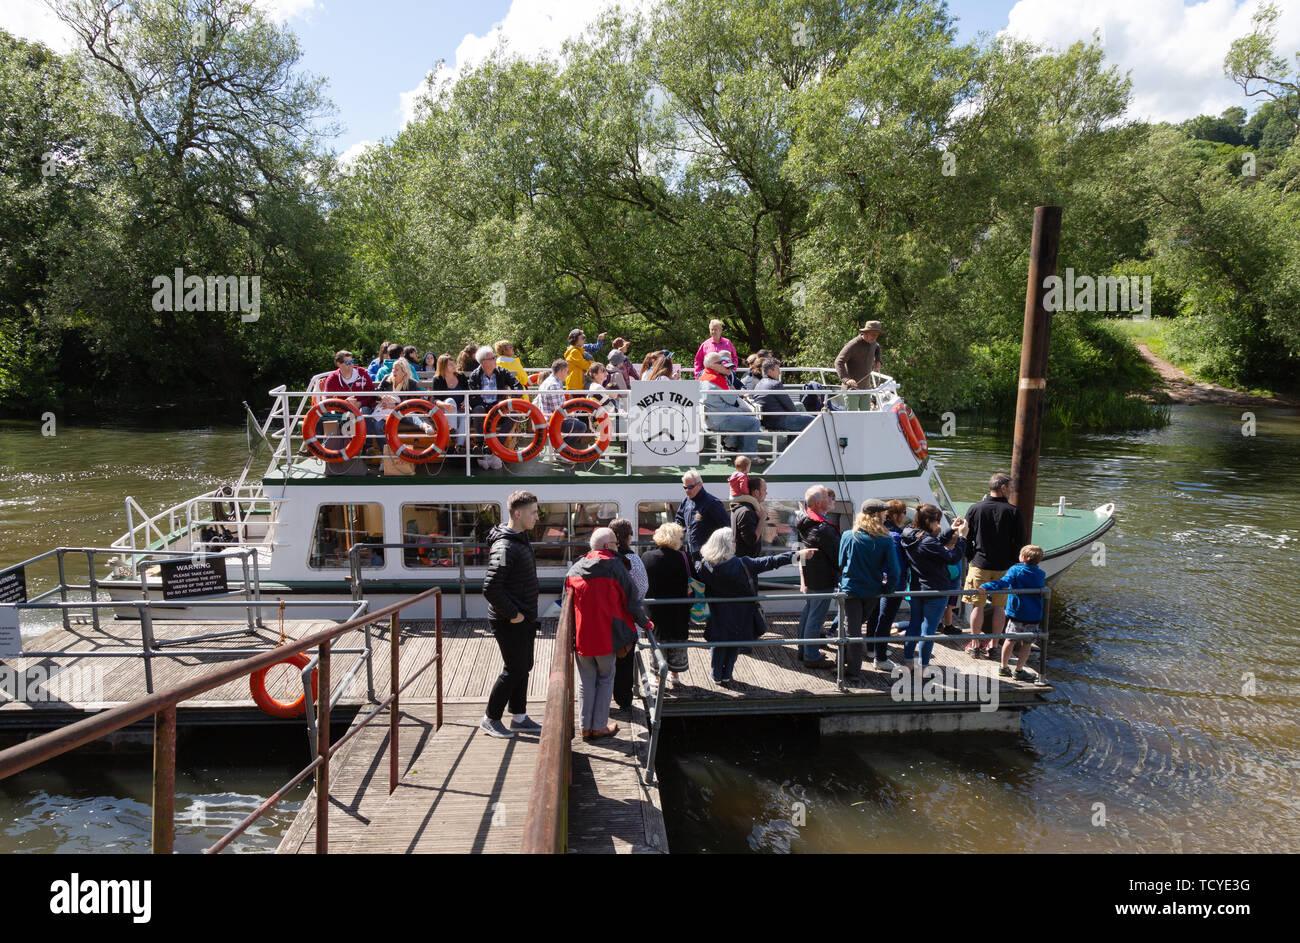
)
(11, 641)
(663, 423)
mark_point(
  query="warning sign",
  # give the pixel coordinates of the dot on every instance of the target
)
(182, 579)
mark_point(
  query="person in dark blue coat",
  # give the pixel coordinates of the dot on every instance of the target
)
(929, 549)
(700, 514)
(725, 574)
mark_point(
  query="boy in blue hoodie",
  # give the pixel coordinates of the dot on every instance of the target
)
(1024, 611)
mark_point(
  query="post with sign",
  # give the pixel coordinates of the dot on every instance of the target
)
(663, 423)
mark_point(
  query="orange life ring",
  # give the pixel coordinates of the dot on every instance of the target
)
(912, 431)
(284, 709)
(404, 450)
(333, 405)
(604, 430)
(493, 419)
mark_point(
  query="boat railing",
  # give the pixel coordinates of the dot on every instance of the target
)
(184, 519)
(212, 605)
(162, 706)
(653, 682)
(468, 440)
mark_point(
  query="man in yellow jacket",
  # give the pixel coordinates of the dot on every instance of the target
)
(579, 356)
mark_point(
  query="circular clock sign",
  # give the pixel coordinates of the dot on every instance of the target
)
(665, 429)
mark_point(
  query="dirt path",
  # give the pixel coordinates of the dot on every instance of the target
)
(1181, 388)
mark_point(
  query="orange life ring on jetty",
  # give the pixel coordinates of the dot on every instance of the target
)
(604, 429)
(493, 419)
(912, 431)
(404, 450)
(333, 405)
(283, 709)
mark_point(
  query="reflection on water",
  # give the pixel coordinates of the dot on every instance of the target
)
(1174, 717)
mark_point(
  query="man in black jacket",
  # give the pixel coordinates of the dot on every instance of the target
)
(820, 574)
(510, 588)
(747, 516)
(488, 378)
(997, 532)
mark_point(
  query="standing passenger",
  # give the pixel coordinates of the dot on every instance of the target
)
(510, 588)
(700, 514)
(668, 574)
(624, 668)
(606, 611)
(820, 574)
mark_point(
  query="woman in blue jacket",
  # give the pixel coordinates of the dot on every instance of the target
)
(929, 549)
(725, 574)
(869, 566)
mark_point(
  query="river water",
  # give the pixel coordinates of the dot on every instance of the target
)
(1172, 726)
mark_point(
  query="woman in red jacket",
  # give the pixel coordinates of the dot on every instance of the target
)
(606, 611)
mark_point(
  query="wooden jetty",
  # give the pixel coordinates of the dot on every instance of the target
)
(460, 790)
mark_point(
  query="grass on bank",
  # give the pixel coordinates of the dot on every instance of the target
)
(1159, 336)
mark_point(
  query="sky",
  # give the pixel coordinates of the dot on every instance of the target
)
(376, 53)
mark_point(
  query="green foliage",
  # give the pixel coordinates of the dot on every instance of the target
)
(792, 168)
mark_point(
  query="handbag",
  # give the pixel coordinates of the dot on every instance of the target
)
(699, 610)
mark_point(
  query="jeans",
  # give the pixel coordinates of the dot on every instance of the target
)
(458, 423)
(735, 422)
(724, 662)
(926, 615)
(857, 609)
(810, 625)
(595, 684)
(888, 612)
(511, 688)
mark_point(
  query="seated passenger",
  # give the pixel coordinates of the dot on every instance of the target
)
(724, 411)
(489, 379)
(378, 362)
(507, 360)
(447, 378)
(551, 398)
(349, 383)
(779, 411)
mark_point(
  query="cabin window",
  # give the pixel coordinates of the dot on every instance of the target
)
(559, 523)
(436, 530)
(650, 515)
(339, 527)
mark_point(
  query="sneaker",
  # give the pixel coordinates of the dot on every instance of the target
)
(527, 725)
(494, 728)
(1024, 674)
(973, 649)
(883, 664)
(1004, 672)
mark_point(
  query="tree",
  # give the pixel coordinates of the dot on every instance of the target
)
(1253, 65)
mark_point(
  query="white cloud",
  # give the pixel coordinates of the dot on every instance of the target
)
(1174, 51)
(348, 157)
(33, 20)
(530, 28)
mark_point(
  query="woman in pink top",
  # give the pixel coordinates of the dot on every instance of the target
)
(716, 342)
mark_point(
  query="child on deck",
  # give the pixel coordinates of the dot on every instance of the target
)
(1024, 611)
(739, 480)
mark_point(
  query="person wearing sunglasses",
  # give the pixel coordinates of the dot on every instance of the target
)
(700, 514)
(350, 383)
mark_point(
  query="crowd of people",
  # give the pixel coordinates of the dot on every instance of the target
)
(737, 405)
(713, 550)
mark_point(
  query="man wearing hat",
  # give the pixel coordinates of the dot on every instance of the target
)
(858, 358)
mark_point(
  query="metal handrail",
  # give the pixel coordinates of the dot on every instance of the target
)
(162, 706)
(546, 820)
(648, 642)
